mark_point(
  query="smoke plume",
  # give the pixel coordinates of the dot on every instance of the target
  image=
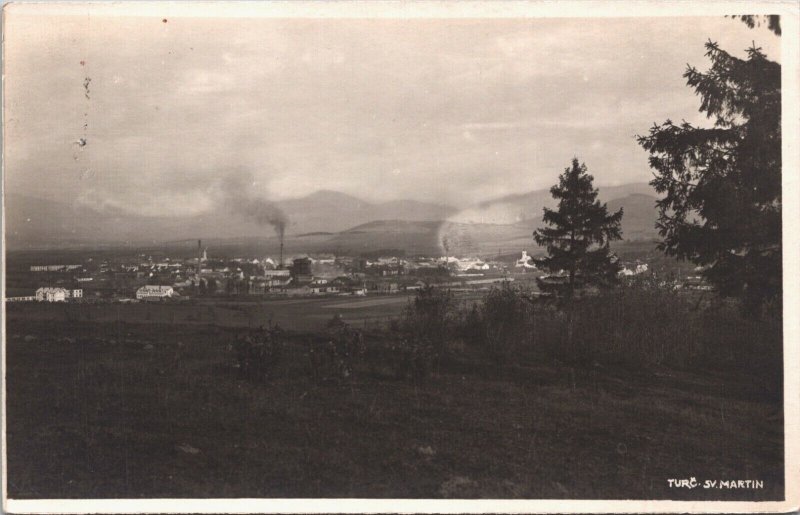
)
(241, 198)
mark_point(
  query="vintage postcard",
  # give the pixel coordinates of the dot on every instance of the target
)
(378, 257)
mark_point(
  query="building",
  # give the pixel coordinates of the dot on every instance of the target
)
(269, 264)
(275, 279)
(698, 283)
(385, 287)
(258, 285)
(301, 266)
(54, 268)
(48, 294)
(525, 261)
(317, 289)
(301, 271)
(277, 274)
(640, 268)
(154, 292)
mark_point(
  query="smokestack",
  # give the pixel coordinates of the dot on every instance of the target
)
(199, 255)
(241, 200)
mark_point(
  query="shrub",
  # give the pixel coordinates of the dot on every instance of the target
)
(259, 351)
(503, 325)
(335, 359)
(647, 322)
(430, 318)
(637, 324)
(411, 358)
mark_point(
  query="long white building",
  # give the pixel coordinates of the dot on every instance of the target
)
(154, 292)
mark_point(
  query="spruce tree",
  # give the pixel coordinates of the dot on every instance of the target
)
(579, 232)
(721, 186)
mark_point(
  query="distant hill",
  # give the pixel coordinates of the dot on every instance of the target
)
(508, 222)
(413, 237)
(331, 211)
(325, 220)
(639, 216)
(37, 222)
(522, 207)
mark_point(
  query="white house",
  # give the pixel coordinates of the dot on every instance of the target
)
(47, 294)
(525, 261)
(627, 272)
(321, 290)
(154, 292)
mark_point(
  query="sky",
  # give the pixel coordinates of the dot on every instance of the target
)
(449, 111)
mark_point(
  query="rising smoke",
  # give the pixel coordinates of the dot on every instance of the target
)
(241, 197)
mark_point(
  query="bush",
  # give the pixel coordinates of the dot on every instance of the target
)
(430, 318)
(647, 322)
(638, 323)
(428, 323)
(411, 358)
(643, 322)
(503, 325)
(336, 358)
(259, 351)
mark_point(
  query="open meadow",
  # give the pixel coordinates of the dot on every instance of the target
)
(298, 313)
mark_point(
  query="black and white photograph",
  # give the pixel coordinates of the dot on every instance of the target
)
(361, 254)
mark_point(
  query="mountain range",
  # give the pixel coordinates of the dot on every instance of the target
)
(328, 218)
(34, 222)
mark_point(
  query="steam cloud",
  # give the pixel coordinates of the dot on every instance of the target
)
(242, 200)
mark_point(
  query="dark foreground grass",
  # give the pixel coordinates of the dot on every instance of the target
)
(108, 410)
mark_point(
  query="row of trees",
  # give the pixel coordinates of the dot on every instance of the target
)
(720, 188)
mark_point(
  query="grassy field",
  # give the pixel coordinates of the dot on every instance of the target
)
(296, 314)
(114, 409)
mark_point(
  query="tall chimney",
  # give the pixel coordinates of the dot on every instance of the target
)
(199, 255)
(280, 262)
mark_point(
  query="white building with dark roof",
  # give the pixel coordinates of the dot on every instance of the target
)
(154, 292)
(47, 294)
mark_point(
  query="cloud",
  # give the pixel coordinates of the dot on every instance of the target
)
(465, 109)
(204, 81)
(175, 204)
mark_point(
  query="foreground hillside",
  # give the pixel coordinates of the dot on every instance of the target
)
(100, 410)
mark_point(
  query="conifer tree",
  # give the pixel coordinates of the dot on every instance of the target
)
(721, 186)
(579, 232)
